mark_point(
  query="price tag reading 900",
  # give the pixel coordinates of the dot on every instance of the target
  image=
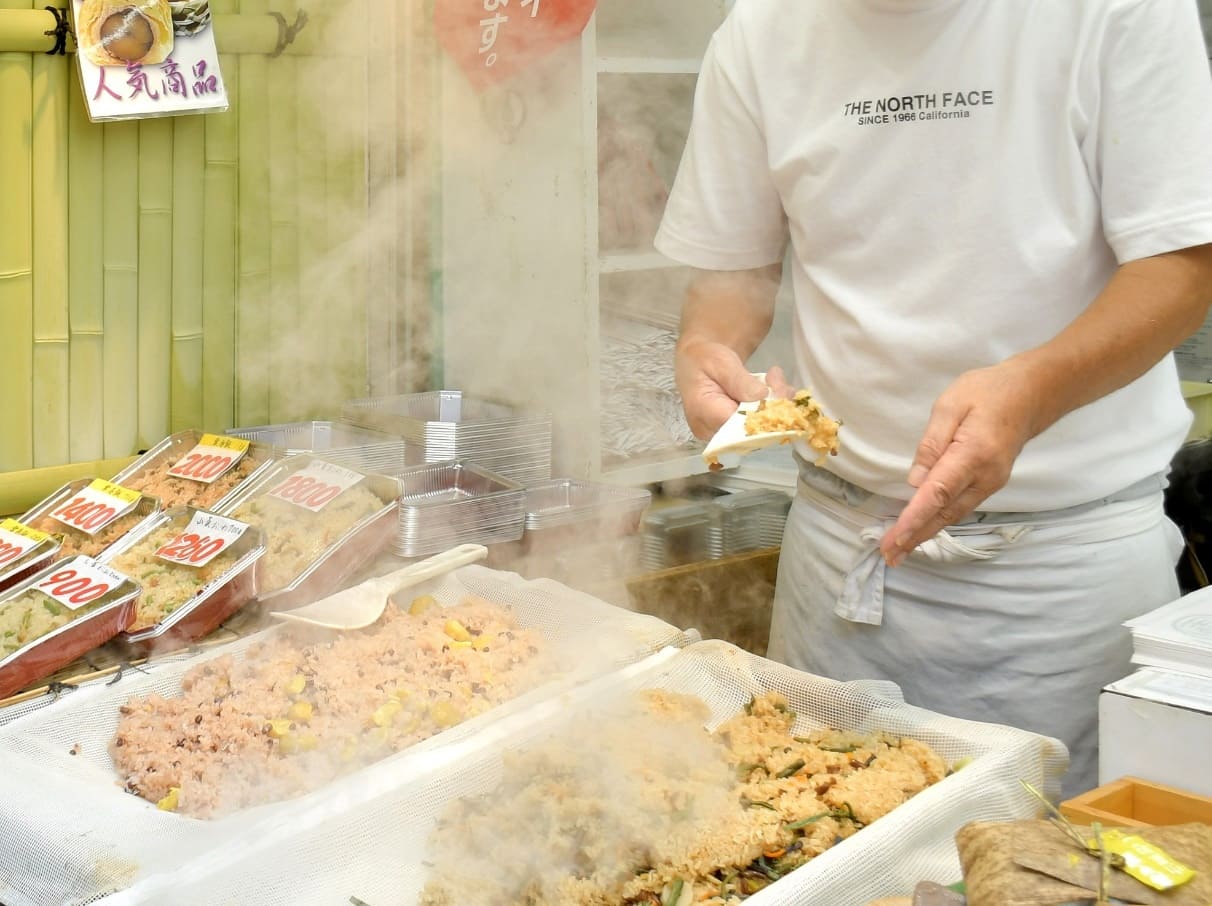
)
(211, 457)
(96, 506)
(17, 540)
(206, 536)
(316, 486)
(83, 582)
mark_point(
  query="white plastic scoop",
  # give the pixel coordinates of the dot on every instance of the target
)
(362, 605)
(731, 436)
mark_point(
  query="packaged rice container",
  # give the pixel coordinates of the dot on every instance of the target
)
(310, 553)
(74, 541)
(444, 504)
(92, 604)
(345, 444)
(149, 473)
(180, 603)
(23, 565)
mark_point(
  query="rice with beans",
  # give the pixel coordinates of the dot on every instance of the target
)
(647, 807)
(305, 707)
(173, 491)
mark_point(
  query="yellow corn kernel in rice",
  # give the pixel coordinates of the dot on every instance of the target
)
(457, 631)
(297, 684)
(171, 800)
(300, 711)
(444, 714)
(421, 604)
(386, 713)
(279, 727)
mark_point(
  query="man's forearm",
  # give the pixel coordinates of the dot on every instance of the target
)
(735, 308)
(1147, 309)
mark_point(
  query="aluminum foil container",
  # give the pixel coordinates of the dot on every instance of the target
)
(749, 519)
(565, 512)
(75, 541)
(333, 565)
(677, 535)
(29, 563)
(203, 612)
(442, 425)
(105, 618)
(444, 504)
(348, 445)
(182, 491)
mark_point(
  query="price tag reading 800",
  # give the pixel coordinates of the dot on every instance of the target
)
(211, 457)
(17, 540)
(206, 536)
(316, 485)
(96, 506)
(81, 582)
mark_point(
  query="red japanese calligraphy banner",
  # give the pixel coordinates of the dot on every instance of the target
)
(494, 40)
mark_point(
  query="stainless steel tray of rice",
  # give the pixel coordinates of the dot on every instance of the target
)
(182, 603)
(149, 473)
(309, 553)
(348, 713)
(703, 775)
(74, 541)
(339, 442)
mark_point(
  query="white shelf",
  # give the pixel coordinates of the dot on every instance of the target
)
(649, 65)
(621, 262)
(647, 471)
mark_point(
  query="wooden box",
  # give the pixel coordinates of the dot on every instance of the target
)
(1132, 802)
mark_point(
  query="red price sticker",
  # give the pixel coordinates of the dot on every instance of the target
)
(206, 536)
(82, 582)
(317, 485)
(17, 540)
(211, 457)
(96, 506)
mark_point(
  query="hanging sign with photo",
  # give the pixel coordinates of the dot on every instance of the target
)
(145, 58)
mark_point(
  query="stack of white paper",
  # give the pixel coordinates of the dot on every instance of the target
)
(1177, 636)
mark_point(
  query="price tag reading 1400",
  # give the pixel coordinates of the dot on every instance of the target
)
(17, 540)
(316, 485)
(206, 536)
(211, 457)
(82, 582)
(96, 506)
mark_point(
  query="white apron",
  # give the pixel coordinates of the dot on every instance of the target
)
(1011, 618)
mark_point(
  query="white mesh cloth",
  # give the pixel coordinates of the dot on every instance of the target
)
(368, 840)
(70, 834)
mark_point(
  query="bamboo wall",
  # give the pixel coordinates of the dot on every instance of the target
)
(239, 268)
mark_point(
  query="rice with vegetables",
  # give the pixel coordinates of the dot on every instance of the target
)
(173, 491)
(73, 541)
(801, 414)
(306, 707)
(166, 586)
(650, 808)
(296, 537)
(31, 615)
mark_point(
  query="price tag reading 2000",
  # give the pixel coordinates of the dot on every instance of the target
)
(81, 582)
(206, 536)
(96, 506)
(316, 485)
(211, 457)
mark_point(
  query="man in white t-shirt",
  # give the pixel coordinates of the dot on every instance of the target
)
(998, 215)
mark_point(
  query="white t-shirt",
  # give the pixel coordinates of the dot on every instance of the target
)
(958, 180)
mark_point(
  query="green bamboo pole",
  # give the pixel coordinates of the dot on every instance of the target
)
(51, 355)
(120, 250)
(189, 138)
(155, 278)
(85, 279)
(309, 340)
(219, 251)
(16, 253)
(254, 335)
(282, 121)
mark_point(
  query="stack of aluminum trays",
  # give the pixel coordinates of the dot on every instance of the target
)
(677, 535)
(444, 504)
(445, 425)
(752, 519)
(346, 445)
(572, 509)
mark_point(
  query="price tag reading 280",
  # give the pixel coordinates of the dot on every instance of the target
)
(96, 506)
(82, 581)
(211, 457)
(206, 536)
(316, 485)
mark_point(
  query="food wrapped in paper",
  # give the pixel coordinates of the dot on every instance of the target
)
(122, 32)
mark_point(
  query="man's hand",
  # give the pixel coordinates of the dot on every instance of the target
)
(977, 428)
(712, 379)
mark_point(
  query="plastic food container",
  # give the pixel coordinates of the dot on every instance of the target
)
(345, 444)
(94, 624)
(751, 520)
(311, 554)
(148, 473)
(73, 541)
(201, 607)
(677, 535)
(444, 504)
(29, 563)
(443, 425)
